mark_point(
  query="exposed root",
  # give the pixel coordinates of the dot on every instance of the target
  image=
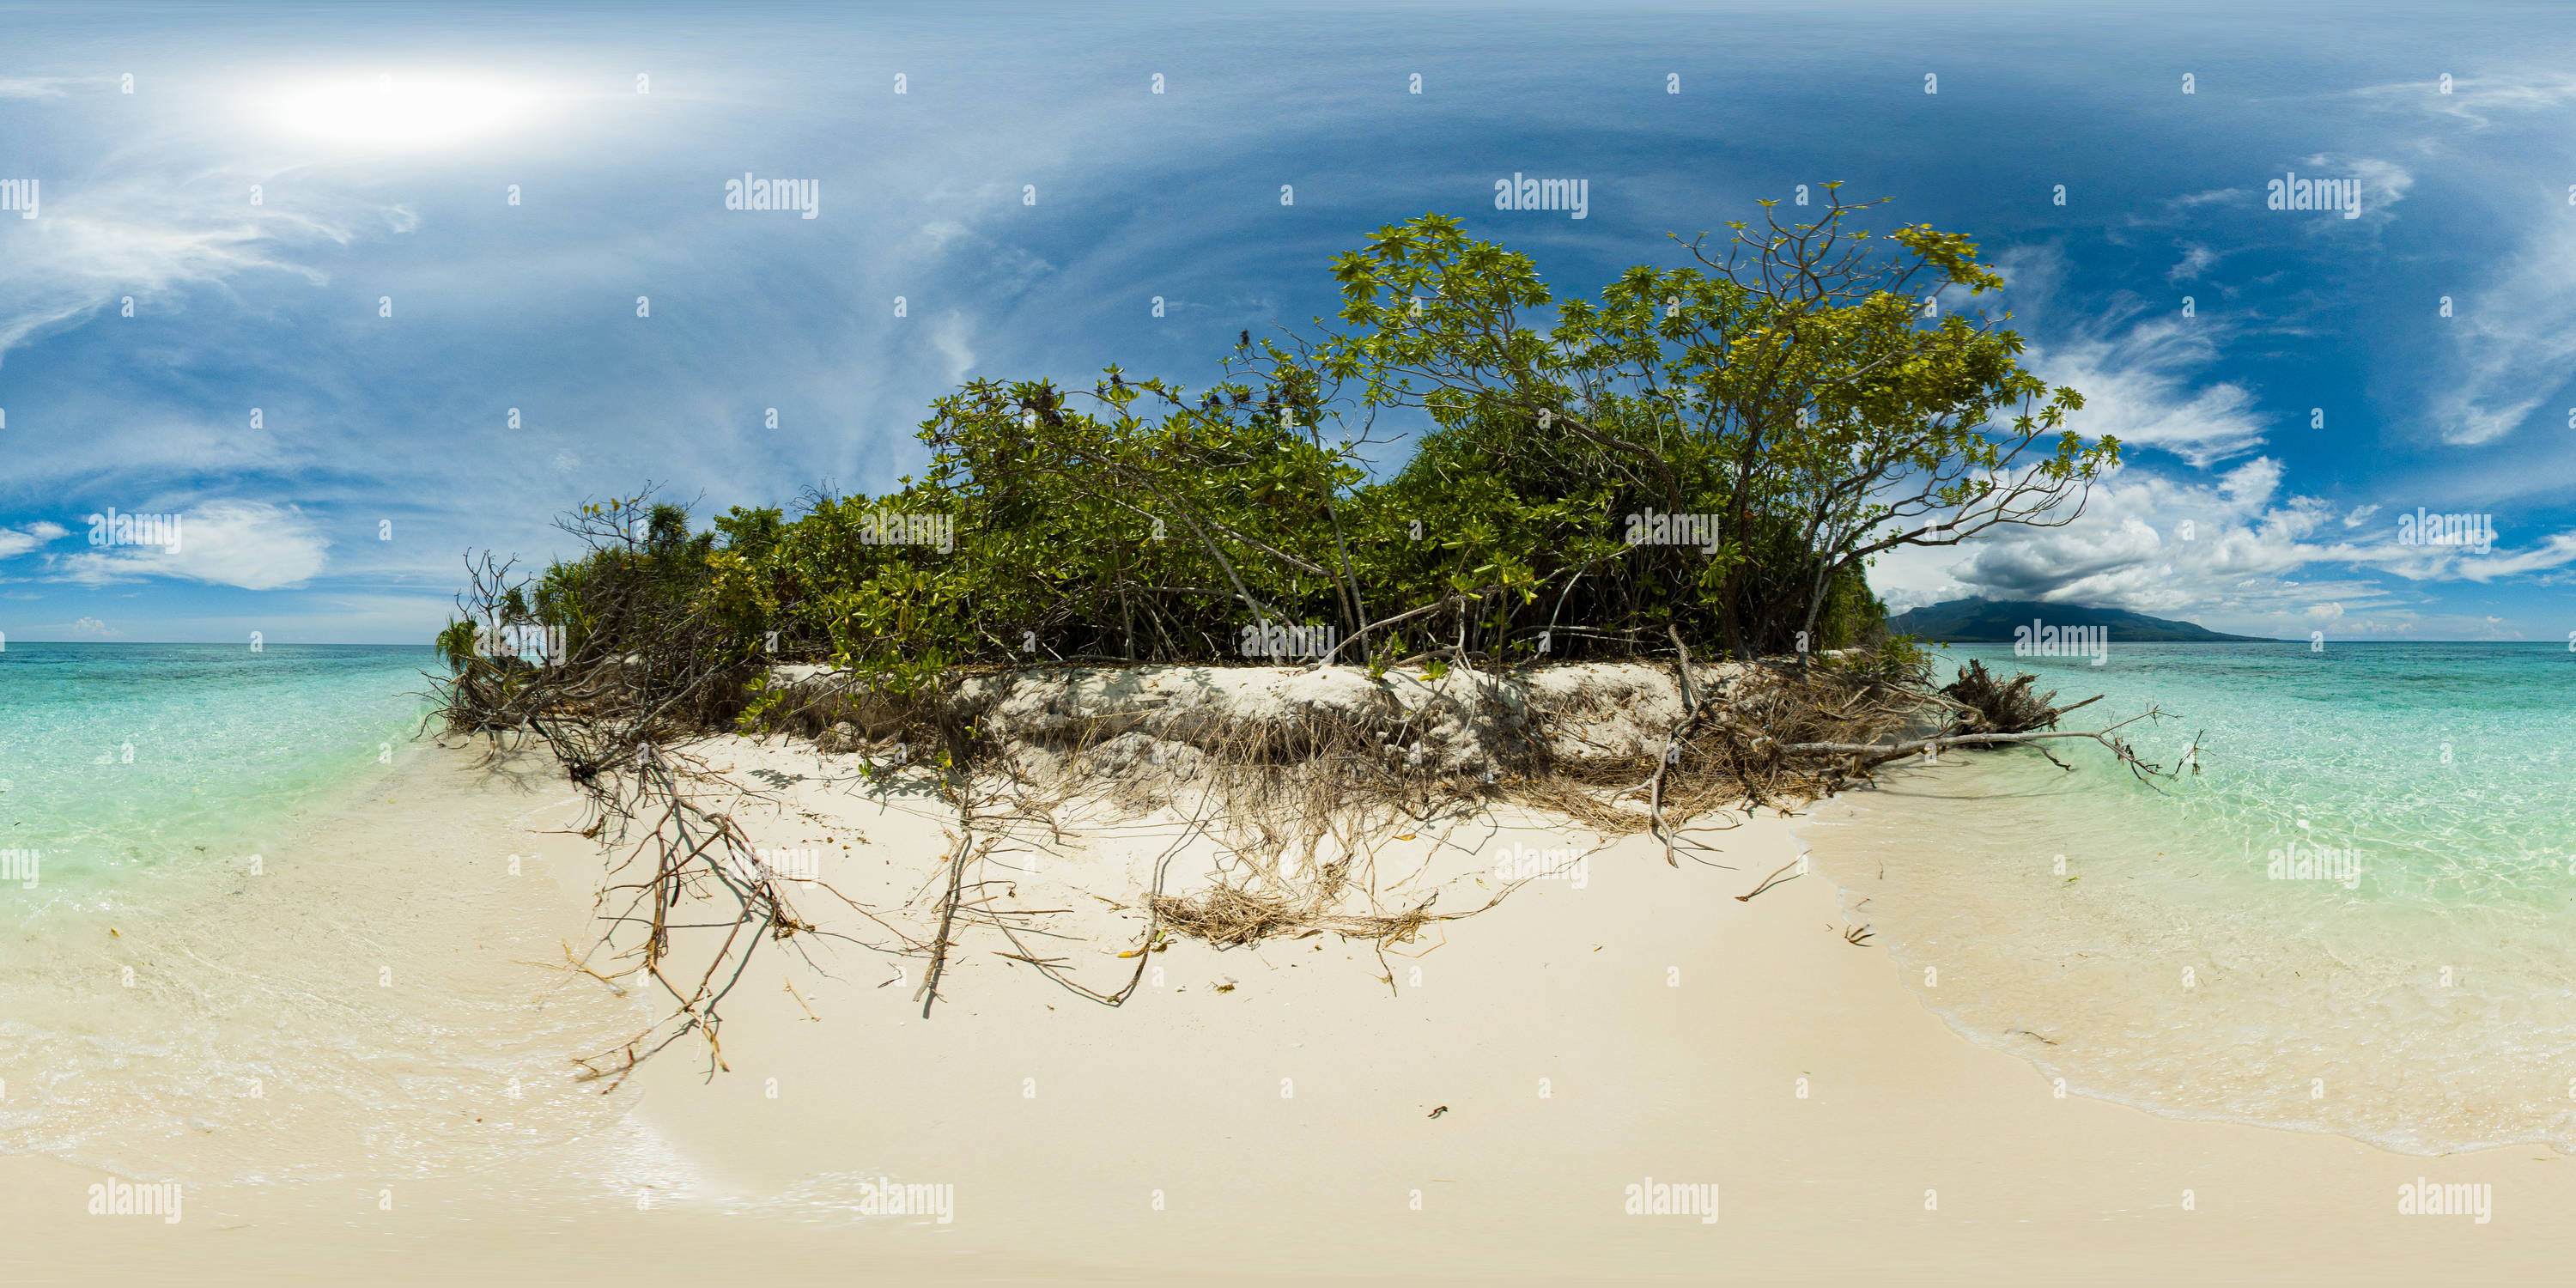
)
(1292, 789)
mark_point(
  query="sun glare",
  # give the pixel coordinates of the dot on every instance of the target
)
(403, 111)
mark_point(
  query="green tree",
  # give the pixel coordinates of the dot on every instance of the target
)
(1805, 386)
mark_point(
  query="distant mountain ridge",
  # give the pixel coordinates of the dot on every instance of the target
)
(1985, 621)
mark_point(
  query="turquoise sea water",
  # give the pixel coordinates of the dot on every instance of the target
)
(115, 757)
(2405, 973)
(271, 937)
(2406, 976)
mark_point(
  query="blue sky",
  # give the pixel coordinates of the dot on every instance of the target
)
(2315, 393)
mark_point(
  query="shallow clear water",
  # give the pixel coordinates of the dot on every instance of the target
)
(232, 964)
(2405, 974)
(2416, 989)
(119, 757)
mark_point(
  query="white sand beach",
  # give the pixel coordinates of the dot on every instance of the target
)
(1272, 1114)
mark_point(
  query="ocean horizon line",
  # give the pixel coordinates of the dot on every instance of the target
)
(264, 644)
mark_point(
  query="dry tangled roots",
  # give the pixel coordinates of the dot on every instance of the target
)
(1291, 771)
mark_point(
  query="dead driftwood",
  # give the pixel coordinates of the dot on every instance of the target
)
(2000, 706)
(1789, 735)
(691, 904)
(1872, 754)
(1293, 803)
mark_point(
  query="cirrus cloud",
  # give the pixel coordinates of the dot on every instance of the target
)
(252, 545)
(2232, 552)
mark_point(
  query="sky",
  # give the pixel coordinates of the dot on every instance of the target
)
(355, 291)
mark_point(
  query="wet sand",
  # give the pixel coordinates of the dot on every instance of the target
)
(1309, 1122)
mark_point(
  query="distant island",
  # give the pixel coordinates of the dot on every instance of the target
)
(1986, 621)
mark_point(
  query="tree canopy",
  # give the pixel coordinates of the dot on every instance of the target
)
(1709, 453)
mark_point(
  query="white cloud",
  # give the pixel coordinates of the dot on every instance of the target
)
(2205, 197)
(2180, 210)
(950, 337)
(2477, 100)
(2513, 343)
(39, 86)
(252, 545)
(2512, 340)
(2555, 551)
(2136, 383)
(92, 628)
(13, 544)
(2134, 368)
(2243, 559)
(153, 232)
(2383, 183)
